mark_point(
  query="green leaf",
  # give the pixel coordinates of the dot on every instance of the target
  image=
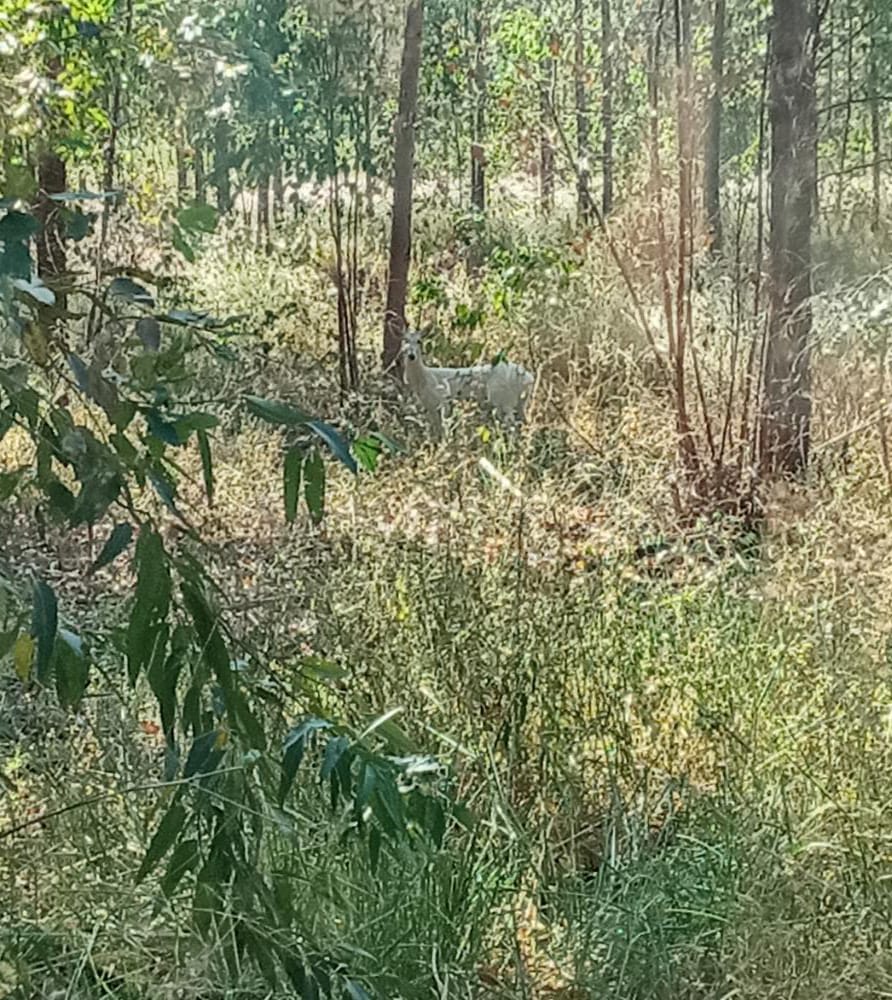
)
(164, 488)
(71, 669)
(210, 637)
(148, 330)
(365, 786)
(115, 544)
(334, 750)
(293, 465)
(207, 468)
(126, 288)
(20, 182)
(9, 481)
(7, 641)
(314, 485)
(77, 225)
(199, 217)
(185, 857)
(167, 831)
(147, 632)
(295, 746)
(162, 429)
(196, 421)
(374, 848)
(44, 621)
(15, 261)
(335, 442)
(36, 290)
(202, 320)
(16, 227)
(23, 657)
(204, 754)
(387, 805)
(367, 450)
(463, 816)
(276, 413)
(163, 674)
(81, 372)
(182, 244)
(355, 991)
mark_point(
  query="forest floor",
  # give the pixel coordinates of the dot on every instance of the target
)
(678, 742)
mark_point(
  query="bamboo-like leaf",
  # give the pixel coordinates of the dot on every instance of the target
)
(115, 544)
(293, 465)
(167, 831)
(314, 485)
(71, 669)
(44, 621)
(207, 467)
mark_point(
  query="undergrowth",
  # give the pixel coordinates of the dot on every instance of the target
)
(676, 744)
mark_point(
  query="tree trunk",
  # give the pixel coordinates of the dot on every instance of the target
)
(221, 166)
(198, 170)
(403, 170)
(583, 140)
(478, 155)
(263, 227)
(182, 175)
(546, 147)
(712, 157)
(847, 120)
(51, 258)
(606, 109)
(278, 194)
(875, 137)
(786, 414)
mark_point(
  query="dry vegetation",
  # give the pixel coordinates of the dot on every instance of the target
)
(678, 743)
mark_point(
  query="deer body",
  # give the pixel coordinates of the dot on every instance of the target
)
(504, 387)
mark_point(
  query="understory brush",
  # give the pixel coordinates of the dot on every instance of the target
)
(673, 747)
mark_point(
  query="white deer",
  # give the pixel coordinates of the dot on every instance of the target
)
(502, 387)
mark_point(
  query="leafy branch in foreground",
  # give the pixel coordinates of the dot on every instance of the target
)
(107, 428)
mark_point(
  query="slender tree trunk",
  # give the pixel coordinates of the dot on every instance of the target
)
(182, 173)
(221, 166)
(52, 179)
(198, 171)
(403, 170)
(51, 257)
(786, 414)
(606, 109)
(546, 147)
(847, 120)
(713, 193)
(478, 154)
(278, 193)
(263, 226)
(583, 125)
(875, 135)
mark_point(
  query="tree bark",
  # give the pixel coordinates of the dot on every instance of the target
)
(847, 120)
(583, 125)
(51, 257)
(786, 413)
(182, 176)
(712, 157)
(546, 147)
(278, 193)
(478, 155)
(198, 170)
(221, 166)
(875, 136)
(606, 109)
(403, 170)
(264, 242)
